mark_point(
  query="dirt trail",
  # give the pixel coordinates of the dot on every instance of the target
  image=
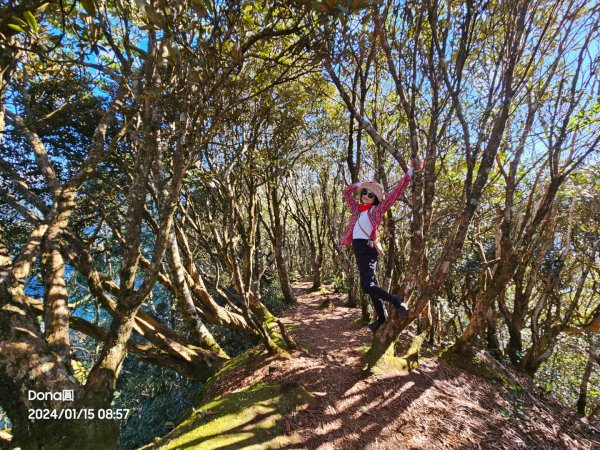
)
(434, 406)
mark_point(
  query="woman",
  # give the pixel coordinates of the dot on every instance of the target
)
(362, 234)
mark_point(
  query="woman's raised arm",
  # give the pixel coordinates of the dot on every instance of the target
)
(348, 190)
(394, 194)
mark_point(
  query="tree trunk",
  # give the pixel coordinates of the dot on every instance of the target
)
(56, 303)
(282, 272)
(435, 323)
(473, 190)
(516, 322)
(515, 345)
(424, 322)
(186, 303)
(353, 291)
(583, 387)
(212, 311)
(28, 363)
(316, 263)
(538, 353)
(170, 348)
(493, 345)
(390, 255)
(365, 301)
(478, 320)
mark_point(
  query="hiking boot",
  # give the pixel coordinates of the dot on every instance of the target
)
(403, 310)
(401, 306)
(373, 326)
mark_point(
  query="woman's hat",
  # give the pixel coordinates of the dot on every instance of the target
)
(374, 187)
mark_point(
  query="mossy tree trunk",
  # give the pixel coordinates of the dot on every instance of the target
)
(186, 303)
(583, 386)
(28, 363)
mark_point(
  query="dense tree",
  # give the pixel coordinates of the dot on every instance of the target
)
(464, 98)
(161, 105)
(163, 162)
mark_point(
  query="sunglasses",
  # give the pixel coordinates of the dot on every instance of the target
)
(367, 193)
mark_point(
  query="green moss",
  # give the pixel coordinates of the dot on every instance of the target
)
(279, 341)
(416, 344)
(364, 349)
(214, 347)
(390, 364)
(248, 358)
(252, 418)
(275, 334)
(271, 325)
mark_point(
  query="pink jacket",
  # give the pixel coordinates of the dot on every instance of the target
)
(376, 212)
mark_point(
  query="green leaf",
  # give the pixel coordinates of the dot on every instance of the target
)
(16, 27)
(20, 22)
(79, 371)
(43, 7)
(30, 19)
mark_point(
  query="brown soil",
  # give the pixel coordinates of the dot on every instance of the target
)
(435, 406)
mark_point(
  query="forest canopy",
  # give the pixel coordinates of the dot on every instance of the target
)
(169, 168)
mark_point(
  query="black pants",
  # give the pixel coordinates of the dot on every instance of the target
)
(366, 259)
